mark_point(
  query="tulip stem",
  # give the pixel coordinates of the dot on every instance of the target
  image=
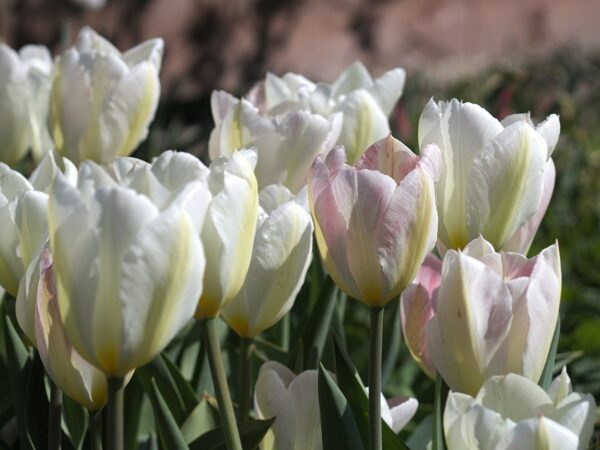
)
(55, 417)
(95, 430)
(211, 341)
(375, 441)
(246, 345)
(115, 415)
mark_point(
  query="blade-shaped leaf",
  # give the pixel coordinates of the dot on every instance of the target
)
(338, 427)
(352, 387)
(251, 433)
(75, 418)
(168, 431)
(546, 378)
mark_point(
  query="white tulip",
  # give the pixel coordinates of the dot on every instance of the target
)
(513, 412)
(229, 229)
(294, 402)
(280, 258)
(25, 79)
(492, 172)
(127, 258)
(103, 101)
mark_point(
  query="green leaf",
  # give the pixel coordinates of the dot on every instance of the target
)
(315, 330)
(546, 378)
(352, 388)
(251, 433)
(202, 419)
(75, 418)
(134, 399)
(441, 391)
(420, 439)
(18, 365)
(168, 431)
(188, 396)
(338, 427)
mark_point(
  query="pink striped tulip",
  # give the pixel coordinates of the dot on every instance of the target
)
(375, 221)
(494, 313)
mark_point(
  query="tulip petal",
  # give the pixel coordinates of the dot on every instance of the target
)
(387, 89)
(303, 390)
(461, 131)
(550, 131)
(402, 410)
(539, 434)
(473, 316)
(355, 77)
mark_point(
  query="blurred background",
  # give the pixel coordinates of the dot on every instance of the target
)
(509, 56)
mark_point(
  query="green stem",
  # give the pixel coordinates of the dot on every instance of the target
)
(55, 418)
(245, 385)
(438, 431)
(115, 414)
(211, 341)
(375, 441)
(96, 430)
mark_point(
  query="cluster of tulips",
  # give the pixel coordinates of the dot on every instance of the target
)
(109, 257)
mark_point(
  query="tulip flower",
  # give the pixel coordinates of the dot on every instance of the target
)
(364, 103)
(294, 402)
(375, 221)
(286, 144)
(127, 257)
(494, 313)
(280, 258)
(229, 229)
(70, 372)
(492, 173)
(416, 310)
(23, 205)
(513, 412)
(25, 79)
(102, 100)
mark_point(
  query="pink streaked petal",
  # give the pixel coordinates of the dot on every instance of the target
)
(431, 161)
(430, 273)
(407, 233)
(375, 191)
(335, 160)
(389, 156)
(416, 310)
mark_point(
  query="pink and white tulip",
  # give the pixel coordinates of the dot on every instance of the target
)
(376, 221)
(493, 313)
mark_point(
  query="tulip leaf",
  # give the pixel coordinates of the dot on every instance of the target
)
(338, 427)
(353, 389)
(134, 399)
(420, 439)
(188, 396)
(76, 420)
(18, 364)
(168, 431)
(179, 403)
(546, 378)
(268, 351)
(441, 391)
(251, 433)
(202, 419)
(315, 329)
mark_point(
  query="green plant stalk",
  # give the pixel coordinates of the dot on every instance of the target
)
(115, 415)
(211, 342)
(55, 417)
(245, 380)
(375, 439)
(438, 432)
(96, 430)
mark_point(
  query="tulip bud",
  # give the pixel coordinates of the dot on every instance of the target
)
(280, 258)
(229, 229)
(102, 100)
(512, 412)
(73, 375)
(492, 173)
(25, 79)
(494, 313)
(127, 258)
(375, 221)
(294, 402)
